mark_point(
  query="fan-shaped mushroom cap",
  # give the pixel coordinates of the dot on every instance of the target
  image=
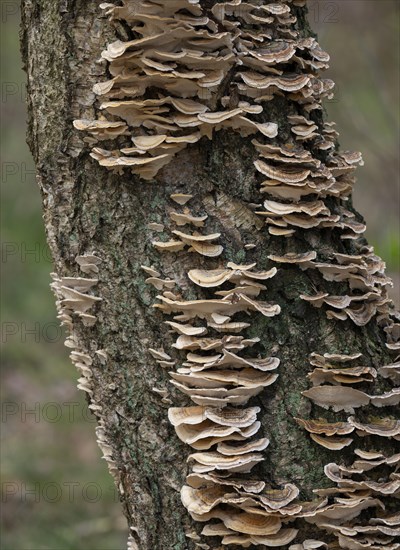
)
(391, 520)
(160, 284)
(186, 218)
(332, 443)
(188, 239)
(318, 360)
(275, 499)
(187, 330)
(203, 436)
(351, 375)
(209, 278)
(343, 510)
(368, 455)
(209, 378)
(75, 300)
(281, 232)
(321, 426)
(233, 360)
(203, 480)
(233, 417)
(288, 175)
(233, 327)
(385, 427)
(78, 283)
(300, 214)
(220, 397)
(205, 249)
(201, 501)
(225, 417)
(267, 309)
(251, 524)
(151, 271)
(209, 461)
(230, 342)
(181, 198)
(387, 399)
(293, 258)
(252, 446)
(338, 397)
(257, 275)
(366, 543)
(169, 246)
(391, 371)
(215, 529)
(317, 300)
(186, 415)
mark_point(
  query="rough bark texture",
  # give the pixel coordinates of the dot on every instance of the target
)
(88, 209)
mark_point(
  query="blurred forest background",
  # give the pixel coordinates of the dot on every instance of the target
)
(56, 492)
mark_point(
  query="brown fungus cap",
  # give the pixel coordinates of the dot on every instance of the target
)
(332, 443)
(384, 427)
(321, 426)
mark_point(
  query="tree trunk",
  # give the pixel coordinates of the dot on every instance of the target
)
(90, 211)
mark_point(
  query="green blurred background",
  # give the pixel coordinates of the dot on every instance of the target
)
(56, 491)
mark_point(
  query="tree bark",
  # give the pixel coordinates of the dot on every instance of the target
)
(89, 210)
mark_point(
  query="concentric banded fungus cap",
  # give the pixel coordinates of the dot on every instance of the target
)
(385, 427)
(251, 524)
(203, 436)
(289, 175)
(216, 529)
(252, 446)
(239, 418)
(332, 443)
(201, 501)
(209, 461)
(276, 499)
(321, 426)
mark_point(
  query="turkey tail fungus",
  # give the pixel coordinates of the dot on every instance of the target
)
(220, 232)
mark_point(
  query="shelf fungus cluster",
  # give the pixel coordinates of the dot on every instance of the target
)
(220, 375)
(192, 68)
(216, 369)
(367, 296)
(75, 303)
(366, 491)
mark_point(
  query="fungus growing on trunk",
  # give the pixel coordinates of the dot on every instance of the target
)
(188, 72)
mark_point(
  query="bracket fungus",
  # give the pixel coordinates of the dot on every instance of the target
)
(189, 69)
